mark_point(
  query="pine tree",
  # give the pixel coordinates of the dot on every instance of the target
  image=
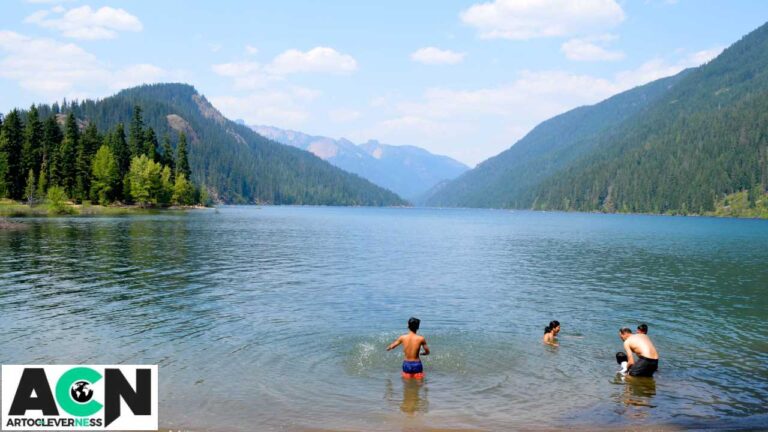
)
(11, 142)
(68, 155)
(150, 145)
(167, 157)
(50, 150)
(30, 190)
(182, 161)
(136, 133)
(31, 156)
(87, 146)
(3, 174)
(120, 150)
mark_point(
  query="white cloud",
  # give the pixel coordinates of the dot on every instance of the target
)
(250, 75)
(284, 107)
(246, 75)
(270, 98)
(85, 23)
(343, 115)
(591, 49)
(55, 69)
(318, 59)
(434, 56)
(528, 19)
(214, 47)
(251, 50)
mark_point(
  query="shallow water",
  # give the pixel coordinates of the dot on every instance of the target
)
(277, 318)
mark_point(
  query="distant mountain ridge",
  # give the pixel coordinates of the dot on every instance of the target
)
(679, 145)
(408, 171)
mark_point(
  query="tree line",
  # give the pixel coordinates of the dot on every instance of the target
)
(62, 156)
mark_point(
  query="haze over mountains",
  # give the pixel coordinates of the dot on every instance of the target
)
(408, 171)
(683, 144)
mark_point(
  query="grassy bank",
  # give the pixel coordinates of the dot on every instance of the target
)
(740, 204)
(10, 208)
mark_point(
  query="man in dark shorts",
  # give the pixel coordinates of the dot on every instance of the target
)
(412, 345)
(647, 357)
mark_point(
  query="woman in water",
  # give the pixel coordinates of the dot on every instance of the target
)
(550, 333)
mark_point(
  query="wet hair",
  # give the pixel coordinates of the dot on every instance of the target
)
(621, 357)
(551, 326)
(413, 324)
(625, 330)
(643, 328)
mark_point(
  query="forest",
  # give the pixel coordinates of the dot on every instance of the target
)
(46, 153)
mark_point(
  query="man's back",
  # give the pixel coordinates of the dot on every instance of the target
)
(641, 345)
(412, 346)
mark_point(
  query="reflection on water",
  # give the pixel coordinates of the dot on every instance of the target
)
(280, 316)
(414, 396)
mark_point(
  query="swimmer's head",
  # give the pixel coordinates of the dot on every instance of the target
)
(621, 357)
(624, 333)
(642, 328)
(413, 324)
(554, 326)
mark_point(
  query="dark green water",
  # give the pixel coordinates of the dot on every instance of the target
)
(277, 318)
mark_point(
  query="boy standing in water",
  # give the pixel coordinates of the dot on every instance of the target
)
(412, 343)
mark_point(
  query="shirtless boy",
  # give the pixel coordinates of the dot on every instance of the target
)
(412, 344)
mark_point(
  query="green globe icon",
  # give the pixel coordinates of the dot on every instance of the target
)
(81, 391)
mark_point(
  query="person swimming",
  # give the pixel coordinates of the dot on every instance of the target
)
(642, 329)
(550, 332)
(623, 361)
(412, 346)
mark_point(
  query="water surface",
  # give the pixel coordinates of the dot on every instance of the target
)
(277, 318)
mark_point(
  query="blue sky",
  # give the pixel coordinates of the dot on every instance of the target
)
(461, 78)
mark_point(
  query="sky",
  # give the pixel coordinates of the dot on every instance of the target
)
(465, 79)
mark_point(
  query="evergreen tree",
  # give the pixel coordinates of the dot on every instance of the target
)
(11, 142)
(68, 155)
(182, 160)
(87, 146)
(42, 182)
(50, 150)
(136, 133)
(120, 150)
(3, 174)
(150, 145)
(167, 156)
(30, 190)
(31, 156)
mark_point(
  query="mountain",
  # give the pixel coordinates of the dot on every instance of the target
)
(509, 179)
(406, 170)
(678, 145)
(236, 164)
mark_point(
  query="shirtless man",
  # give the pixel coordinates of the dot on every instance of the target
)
(412, 343)
(647, 357)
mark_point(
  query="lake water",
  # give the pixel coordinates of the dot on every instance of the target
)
(277, 318)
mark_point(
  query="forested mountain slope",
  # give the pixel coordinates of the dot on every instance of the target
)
(234, 163)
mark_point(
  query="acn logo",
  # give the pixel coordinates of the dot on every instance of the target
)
(59, 397)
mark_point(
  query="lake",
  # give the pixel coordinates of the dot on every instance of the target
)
(277, 318)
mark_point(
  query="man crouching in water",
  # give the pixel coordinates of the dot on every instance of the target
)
(647, 357)
(412, 343)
